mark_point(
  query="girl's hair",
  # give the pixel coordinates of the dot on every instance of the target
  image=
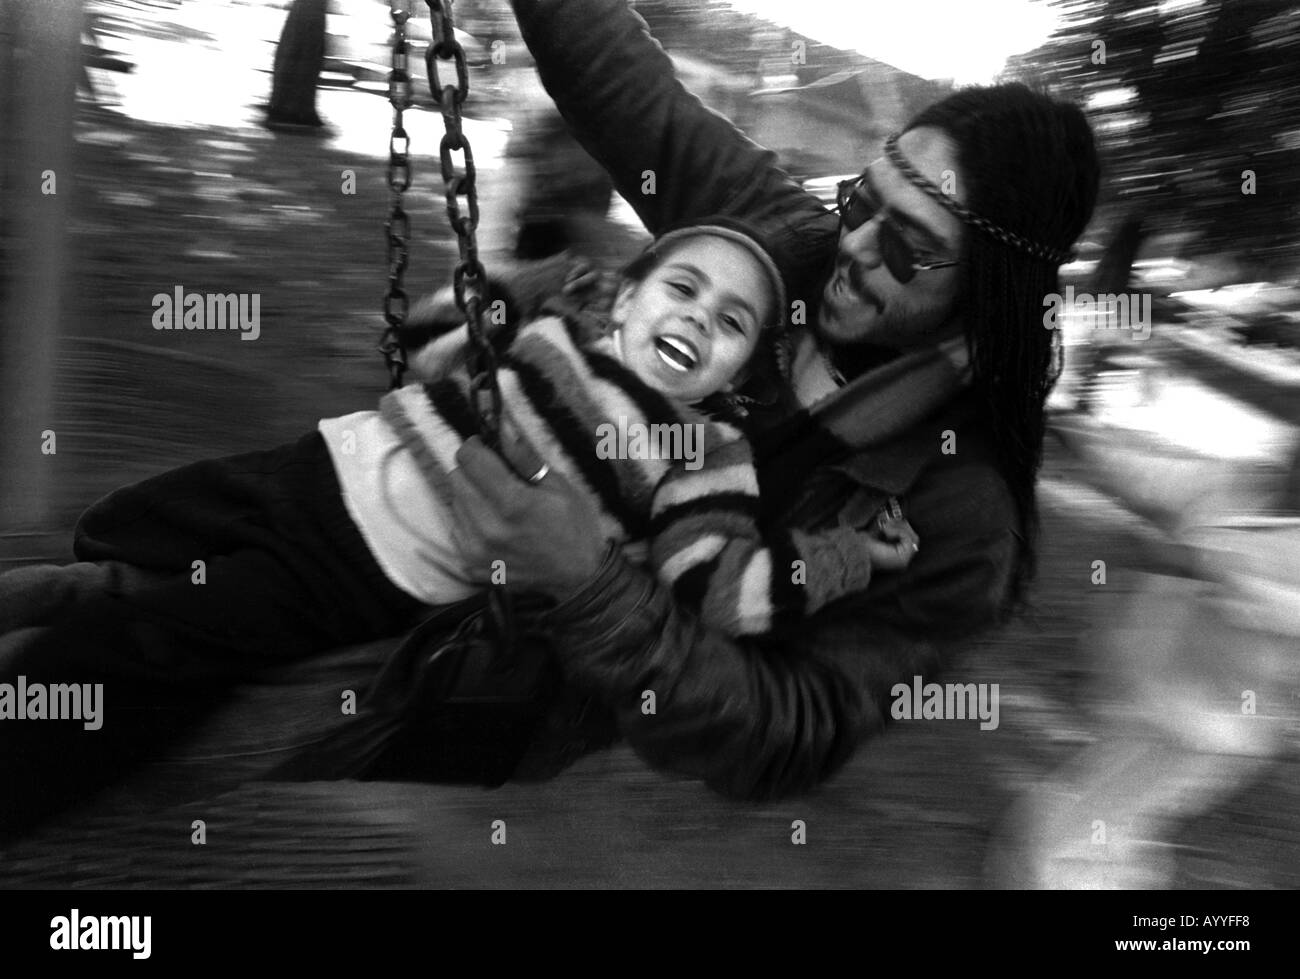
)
(1030, 166)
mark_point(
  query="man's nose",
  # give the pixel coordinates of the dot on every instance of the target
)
(862, 244)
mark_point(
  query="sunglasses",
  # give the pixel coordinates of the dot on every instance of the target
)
(858, 205)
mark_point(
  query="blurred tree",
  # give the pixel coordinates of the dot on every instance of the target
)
(40, 60)
(299, 57)
(1189, 99)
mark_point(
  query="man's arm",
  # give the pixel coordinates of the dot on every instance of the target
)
(752, 719)
(617, 90)
(766, 718)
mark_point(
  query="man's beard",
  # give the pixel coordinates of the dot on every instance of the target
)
(850, 357)
(854, 359)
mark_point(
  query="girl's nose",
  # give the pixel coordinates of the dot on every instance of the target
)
(698, 316)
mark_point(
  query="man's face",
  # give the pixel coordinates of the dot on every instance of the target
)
(692, 324)
(863, 302)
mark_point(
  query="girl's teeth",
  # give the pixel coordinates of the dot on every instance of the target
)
(674, 353)
(670, 362)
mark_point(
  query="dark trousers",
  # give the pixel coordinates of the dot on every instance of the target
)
(285, 574)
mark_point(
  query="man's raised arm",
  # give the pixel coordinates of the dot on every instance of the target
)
(617, 90)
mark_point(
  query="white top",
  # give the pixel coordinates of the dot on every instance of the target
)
(404, 523)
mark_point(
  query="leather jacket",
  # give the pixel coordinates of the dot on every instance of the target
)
(766, 718)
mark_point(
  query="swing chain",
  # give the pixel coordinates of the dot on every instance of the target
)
(469, 281)
(396, 302)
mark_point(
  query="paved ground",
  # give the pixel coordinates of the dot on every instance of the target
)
(230, 207)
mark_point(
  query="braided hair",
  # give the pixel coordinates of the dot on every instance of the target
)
(1031, 168)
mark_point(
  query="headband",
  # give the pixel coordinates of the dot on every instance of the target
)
(1054, 255)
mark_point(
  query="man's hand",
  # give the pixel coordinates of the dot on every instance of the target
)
(546, 533)
(892, 544)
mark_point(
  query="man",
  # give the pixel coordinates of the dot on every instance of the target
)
(946, 246)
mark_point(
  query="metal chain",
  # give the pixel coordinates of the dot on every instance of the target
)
(469, 278)
(396, 303)
(469, 281)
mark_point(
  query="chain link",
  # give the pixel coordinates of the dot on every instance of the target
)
(469, 280)
(396, 302)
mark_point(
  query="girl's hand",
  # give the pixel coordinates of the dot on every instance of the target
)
(589, 286)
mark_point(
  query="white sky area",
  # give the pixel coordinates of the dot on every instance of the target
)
(958, 39)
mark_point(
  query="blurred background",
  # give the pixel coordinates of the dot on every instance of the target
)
(207, 144)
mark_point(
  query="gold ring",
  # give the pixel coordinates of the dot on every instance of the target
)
(538, 476)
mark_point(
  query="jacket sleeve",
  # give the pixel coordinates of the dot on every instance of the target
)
(754, 719)
(436, 337)
(707, 547)
(618, 91)
(769, 716)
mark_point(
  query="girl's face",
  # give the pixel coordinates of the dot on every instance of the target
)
(692, 324)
